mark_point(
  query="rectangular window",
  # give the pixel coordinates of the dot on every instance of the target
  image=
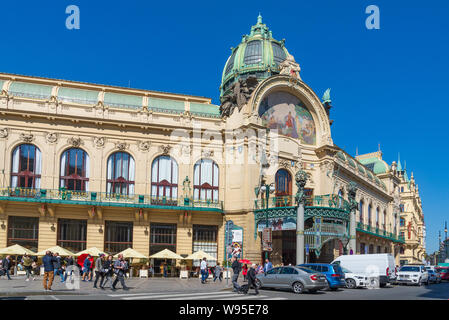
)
(23, 231)
(72, 234)
(205, 238)
(162, 236)
(118, 236)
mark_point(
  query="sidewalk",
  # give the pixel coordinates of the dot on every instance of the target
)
(18, 286)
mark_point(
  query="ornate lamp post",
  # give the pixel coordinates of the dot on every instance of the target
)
(352, 190)
(301, 180)
(267, 188)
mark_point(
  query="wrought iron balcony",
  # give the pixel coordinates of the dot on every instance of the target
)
(378, 232)
(324, 201)
(106, 199)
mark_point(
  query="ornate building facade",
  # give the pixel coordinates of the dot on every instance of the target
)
(86, 165)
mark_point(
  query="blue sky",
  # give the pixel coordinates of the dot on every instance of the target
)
(389, 86)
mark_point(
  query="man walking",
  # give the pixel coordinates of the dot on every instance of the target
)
(252, 278)
(57, 265)
(68, 267)
(120, 267)
(268, 266)
(217, 272)
(236, 267)
(6, 265)
(48, 261)
(99, 271)
(27, 262)
(204, 272)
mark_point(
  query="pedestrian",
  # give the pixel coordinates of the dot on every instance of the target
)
(120, 268)
(268, 266)
(217, 272)
(245, 272)
(108, 268)
(27, 262)
(57, 266)
(36, 270)
(252, 278)
(69, 262)
(49, 274)
(259, 269)
(204, 272)
(6, 265)
(151, 271)
(164, 268)
(99, 271)
(86, 267)
(236, 267)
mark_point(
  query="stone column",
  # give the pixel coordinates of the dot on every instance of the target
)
(301, 179)
(352, 190)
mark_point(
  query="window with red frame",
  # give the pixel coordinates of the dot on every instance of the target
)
(120, 174)
(26, 167)
(75, 170)
(205, 181)
(164, 178)
(283, 185)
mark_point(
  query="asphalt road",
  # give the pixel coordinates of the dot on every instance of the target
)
(396, 292)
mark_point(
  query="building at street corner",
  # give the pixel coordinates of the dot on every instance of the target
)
(85, 165)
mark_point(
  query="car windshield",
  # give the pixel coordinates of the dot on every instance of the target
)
(346, 270)
(411, 269)
(306, 269)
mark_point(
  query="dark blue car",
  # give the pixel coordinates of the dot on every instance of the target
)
(334, 275)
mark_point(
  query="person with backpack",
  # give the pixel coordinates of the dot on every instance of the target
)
(120, 268)
(236, 268)
(57, 266)
(86, 267)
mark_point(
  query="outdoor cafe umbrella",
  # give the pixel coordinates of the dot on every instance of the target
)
(199, 255)
(16, 250)
(94, 251)
(166, 254)
(62, 252)
(83, 257)
(131, 254)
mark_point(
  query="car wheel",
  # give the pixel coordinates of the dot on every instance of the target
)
(298, 287)
(350, 283)
(258, 284)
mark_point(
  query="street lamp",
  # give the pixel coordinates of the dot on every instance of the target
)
(267, 188)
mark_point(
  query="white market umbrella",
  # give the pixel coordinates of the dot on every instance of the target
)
(166, 254)
(16, 250)
(62, 252)
(199, 255)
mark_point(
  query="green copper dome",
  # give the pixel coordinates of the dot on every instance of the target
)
(376, 165)
(258, 55)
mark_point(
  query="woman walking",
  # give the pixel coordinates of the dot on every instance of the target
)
(108, 266)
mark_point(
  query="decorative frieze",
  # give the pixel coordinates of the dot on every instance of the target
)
(122, 146)
(4, 132)
(165, 149)
(26, 137)
(75, 141)
(99, 142)
(144, 146)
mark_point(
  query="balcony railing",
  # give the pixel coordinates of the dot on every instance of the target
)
(327, 201)
(379, 232)
(102, 198)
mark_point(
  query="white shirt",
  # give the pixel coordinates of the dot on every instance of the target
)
(203, 265)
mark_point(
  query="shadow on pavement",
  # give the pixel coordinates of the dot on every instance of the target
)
(437, 291)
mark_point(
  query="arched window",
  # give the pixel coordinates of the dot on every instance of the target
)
(120, 174)
(385, 220)
(205, 180)
(26, 167)
(361, 203)
(164, 178)
(283, 186)
(341, 195)
(283, 183)
(75, 170)
(369, 214)
(377, 217)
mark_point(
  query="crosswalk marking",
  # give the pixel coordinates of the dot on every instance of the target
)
(223, 295)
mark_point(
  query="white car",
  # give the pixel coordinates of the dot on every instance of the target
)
(355, 280)
(413, 274)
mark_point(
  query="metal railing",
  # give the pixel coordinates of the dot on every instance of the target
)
(379, 232)
(103, 198)
(327, 201)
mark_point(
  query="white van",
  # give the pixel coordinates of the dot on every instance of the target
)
(380, 264)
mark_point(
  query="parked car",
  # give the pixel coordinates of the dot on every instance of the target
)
(381, 265)
(334, 275)
(296, 278)
(434, 276)
(354, 280)
(443, 271)
(413, 274)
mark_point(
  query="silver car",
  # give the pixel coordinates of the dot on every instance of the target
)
(296, 278)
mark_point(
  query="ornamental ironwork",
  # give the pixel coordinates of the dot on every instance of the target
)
(301, 180)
